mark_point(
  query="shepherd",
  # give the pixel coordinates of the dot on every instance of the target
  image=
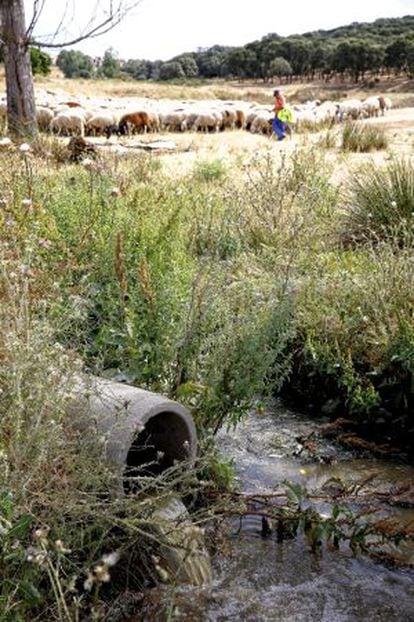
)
(283, 116)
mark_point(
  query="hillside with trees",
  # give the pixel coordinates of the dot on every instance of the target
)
(356, 52)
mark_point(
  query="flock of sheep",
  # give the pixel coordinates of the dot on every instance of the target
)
(103, 117)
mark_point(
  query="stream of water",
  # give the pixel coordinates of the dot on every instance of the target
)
(260, 579)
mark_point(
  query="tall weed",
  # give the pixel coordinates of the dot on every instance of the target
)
(378, 204)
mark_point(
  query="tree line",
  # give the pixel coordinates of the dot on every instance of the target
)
(354, 52)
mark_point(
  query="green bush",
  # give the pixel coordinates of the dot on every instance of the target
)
(378, 204)
(362, 138)
(210, 171)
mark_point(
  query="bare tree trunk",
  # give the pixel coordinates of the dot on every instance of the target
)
(21, 109)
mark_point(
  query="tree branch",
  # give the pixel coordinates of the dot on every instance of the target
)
(114, 17)
(38, 6)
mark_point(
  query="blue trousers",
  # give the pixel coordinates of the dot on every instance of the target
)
(279, 128)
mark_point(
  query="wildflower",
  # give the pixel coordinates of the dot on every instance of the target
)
(87, 163)
(24, 148)
(89, 582)
(101, 573)
(160, 455)
(61, 548)
(3, 203)
(41, 535)
(27, 202)
(393, 203)
(115, 192)
(44, 243)
(111, 559)
(34, 555)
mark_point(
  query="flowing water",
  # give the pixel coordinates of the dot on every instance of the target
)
(260, 579)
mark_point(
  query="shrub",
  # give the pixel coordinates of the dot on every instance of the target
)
(210, 171)
(379, 204)
(362, 138)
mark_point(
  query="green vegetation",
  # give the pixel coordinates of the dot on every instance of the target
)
(379, 204)
(355, 52)
(362, 138)
(41, 62)
(212, 289)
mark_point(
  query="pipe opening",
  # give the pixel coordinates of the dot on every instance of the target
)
(165, 439)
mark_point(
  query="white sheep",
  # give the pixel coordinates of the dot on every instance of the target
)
(207, 122)
(262, 123)
(351, 109)
(99, 122)
(174, 121)
(67, 124)
(371, 107)
(43, 117)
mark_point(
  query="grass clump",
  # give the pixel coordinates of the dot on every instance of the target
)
(214, 170)
(379, 204)
(363, 138)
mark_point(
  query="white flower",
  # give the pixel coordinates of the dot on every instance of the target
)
(5, 142)
(61, 548)
(27, 202)
(87, 162)
(24, 148)
(111, 559)
(115, 192)
(393, 203)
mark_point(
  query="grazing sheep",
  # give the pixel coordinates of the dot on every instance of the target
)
(43, 116)
(384, 103)
(349, 109)
(98, 124)
(262, 123)
(240, 119)
(174, 121)
(67, 124)
(139, 122)
(229, 119)
(371, 107)
(207, 122)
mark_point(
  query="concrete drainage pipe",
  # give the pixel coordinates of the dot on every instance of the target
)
(145, 432)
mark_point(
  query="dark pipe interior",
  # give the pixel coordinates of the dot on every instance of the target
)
(164, 440)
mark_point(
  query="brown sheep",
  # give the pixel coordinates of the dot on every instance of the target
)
(137, 122)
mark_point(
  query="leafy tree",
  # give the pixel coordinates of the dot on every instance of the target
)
(396, 54)
(188, 64)
(40, 61)
(280, 67)
(171, 71)
(212, 61)
(242, 62)
(138, 69)
(75, 64)
(110, 67)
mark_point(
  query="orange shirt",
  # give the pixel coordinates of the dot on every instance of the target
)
(280, 102)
